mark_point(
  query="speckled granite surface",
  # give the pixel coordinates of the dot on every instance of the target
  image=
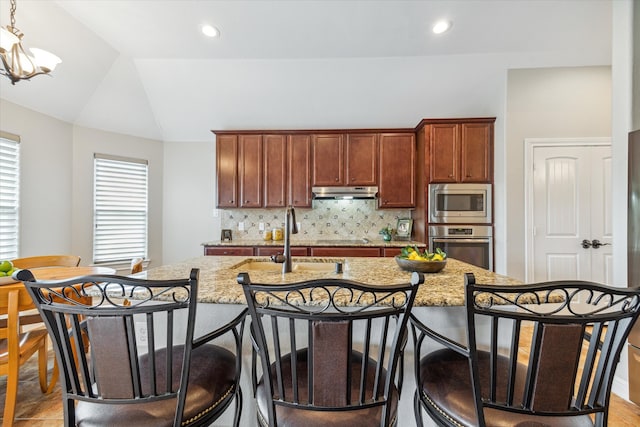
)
(218, 277)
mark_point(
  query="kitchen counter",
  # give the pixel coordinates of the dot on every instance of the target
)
(439, 301)
(377, 243)
(218, 277)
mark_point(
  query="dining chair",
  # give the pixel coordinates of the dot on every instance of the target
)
(47, 261)
(143, 365)
(16, 347)
(328, 351)
(540, 354)
(32, 317)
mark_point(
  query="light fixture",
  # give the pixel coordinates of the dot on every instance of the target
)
(210, 31)
(18, 65)
(441, 27)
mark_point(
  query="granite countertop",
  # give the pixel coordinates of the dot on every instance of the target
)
(218, 275)
(319, 242)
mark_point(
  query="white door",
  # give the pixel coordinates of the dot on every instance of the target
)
(571, 213)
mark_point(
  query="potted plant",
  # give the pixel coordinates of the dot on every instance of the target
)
(386, 233)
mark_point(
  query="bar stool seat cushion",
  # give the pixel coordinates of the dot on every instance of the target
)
(211, 388)
(300, 417)
(446, 387)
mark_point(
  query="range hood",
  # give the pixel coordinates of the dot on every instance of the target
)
(328, 193)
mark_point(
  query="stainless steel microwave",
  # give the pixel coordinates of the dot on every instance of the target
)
(460, 204)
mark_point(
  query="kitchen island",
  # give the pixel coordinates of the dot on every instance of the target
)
(439, 302)
(218, 277)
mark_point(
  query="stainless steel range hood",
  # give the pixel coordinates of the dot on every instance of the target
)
(329, 193)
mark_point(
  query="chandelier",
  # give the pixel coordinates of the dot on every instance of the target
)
(18, 65)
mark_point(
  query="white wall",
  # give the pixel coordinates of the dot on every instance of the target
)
(189, 188)
(56, 191)
(86, 142)
(45, 179)
(547, 103)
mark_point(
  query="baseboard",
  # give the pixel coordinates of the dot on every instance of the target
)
(620, 387)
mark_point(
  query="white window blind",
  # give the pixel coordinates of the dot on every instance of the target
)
(120, 208)
(9, 195)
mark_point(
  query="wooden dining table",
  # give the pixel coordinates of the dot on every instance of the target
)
(61, 273)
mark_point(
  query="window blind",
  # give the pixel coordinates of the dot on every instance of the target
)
(9, 195)
(120, 208)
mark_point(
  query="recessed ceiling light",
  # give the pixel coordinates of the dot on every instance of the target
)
(441, 27)
(210, 31)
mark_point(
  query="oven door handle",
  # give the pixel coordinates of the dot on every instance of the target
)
(477, 240)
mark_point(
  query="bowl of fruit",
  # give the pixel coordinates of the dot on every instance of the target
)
(412, 258)
(6, 270)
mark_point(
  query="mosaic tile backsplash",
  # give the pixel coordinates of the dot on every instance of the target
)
(327, 219)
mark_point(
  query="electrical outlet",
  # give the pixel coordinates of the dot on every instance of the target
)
(216, 213)
(261, 226)
(241, 226)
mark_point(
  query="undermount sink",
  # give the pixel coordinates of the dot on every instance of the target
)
(319, 266)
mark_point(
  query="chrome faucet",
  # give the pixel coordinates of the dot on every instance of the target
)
(290, 227)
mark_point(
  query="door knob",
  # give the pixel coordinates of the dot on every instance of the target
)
(586, 244)
(597, 243)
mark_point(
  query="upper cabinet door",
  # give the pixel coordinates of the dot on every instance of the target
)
(299, 155)
(227, 170)
(250, 170)
(328, 160)
(444, 149)
(275, 170)
(362, 159)
(476, 152)
(461, 152)
(396, 186)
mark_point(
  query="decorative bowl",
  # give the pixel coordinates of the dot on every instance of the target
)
(421, 266)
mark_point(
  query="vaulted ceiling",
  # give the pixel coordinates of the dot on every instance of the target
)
(143, 67)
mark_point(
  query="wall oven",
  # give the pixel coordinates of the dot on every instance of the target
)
(468, 243)
(460, 204)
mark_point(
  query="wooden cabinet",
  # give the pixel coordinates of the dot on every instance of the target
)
(275, 250)
(327, 156)
(227, 170)
(476, 152)
(299, 162)
(391, 252)
(275, 170)
(345, 159)
(361, 155)
(250, 170)
(397, 166)
(229, 250)
(239, 171)
(460, 152)
(300, 251)
(344, 251)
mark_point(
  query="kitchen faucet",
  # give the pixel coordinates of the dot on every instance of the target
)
(290, 227)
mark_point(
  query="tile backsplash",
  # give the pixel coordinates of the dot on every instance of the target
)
(327, 219)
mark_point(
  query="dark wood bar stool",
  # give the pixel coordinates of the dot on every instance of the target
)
(576, 332)
(328, 350)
